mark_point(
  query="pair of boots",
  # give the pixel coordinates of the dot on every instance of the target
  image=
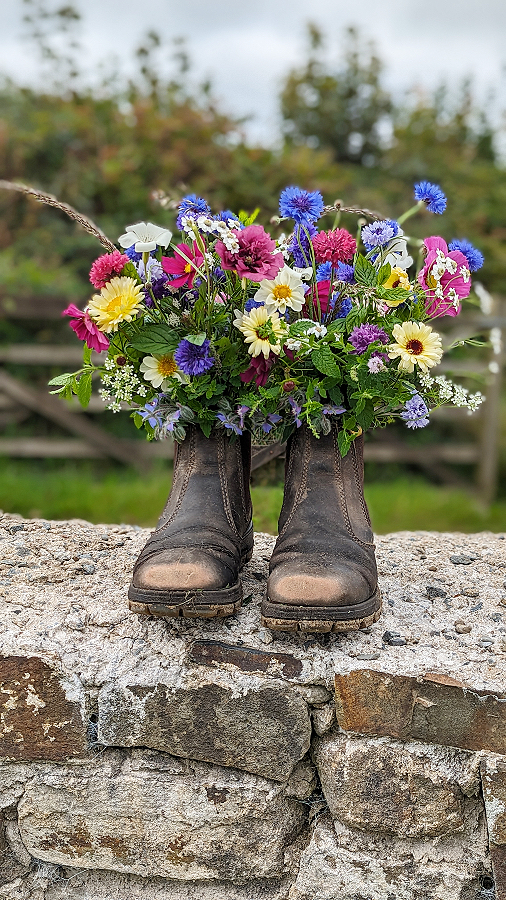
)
(323, 570)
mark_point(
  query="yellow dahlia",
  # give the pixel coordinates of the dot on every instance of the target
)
(415, 343)
(117, 302)
(397, 278)
(262, 331)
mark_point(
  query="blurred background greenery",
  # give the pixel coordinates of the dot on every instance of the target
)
(110, 149)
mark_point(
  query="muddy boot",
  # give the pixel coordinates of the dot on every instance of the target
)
(323, 573)
(190, 564)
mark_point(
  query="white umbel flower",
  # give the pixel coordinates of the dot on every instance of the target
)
(284, 290)
(145, 237)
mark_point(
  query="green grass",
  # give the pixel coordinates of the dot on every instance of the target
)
(105, 493)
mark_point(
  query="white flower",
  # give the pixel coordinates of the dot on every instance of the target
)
(189, 225)
(239, 316)
(293, 344)
(398, 255)
(231, 241)
(375, 364)
(158, 369)
(318, 330)
(451, 265)
(145, 236)
(305, 274)
(464, 271)
(284, 290)
(234, 223)
(205, 223)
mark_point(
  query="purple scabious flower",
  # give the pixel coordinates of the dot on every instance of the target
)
(299, 245)
(193, 359)
(345, 273)
(345, 307)
(324, 271)
(475, 258)
(379, 233)
(192, 206)
(415, 412)
(432, 195)
(303, 206)
(364, 335)
(159, 289)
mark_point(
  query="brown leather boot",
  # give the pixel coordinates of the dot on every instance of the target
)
(323, 573)
(190, 564)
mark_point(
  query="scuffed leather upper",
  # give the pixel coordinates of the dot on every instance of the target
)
(324, 555)
(206, 522)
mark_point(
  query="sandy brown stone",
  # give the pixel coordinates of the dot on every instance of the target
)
(37, 718)
(433, 708)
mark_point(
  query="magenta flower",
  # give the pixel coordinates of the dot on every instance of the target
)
(86, 329)
(334, 246)
(258, 370)
(182, 265)
(106, 266)
(256, 258)
(445, 278)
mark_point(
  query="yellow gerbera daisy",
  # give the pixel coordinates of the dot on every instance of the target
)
(397, 278)
(262, 331)
(117, 302)
(415, 343)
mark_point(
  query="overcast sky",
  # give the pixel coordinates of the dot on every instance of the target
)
(246, 47)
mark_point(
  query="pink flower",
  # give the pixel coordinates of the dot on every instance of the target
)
(323, 289)
(445, 278)
(86, 329)
(182, 265)
(106, 266)
(256, 258)
(334, 246)
(258, 369)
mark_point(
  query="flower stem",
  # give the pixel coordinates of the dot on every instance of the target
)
(411, 212)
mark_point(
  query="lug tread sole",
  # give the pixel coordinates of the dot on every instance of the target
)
(279, 617)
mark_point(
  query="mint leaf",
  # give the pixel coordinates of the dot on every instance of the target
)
(365, 273)
(84, 389)
(323, 360)
(155, 339)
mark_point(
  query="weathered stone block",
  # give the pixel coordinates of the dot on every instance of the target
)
(38, 718)
(340, 864)
(431, 708)
(258, 724)
(493, 776)
(153, 815)
(385, 787)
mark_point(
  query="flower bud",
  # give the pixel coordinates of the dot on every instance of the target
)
(289, 386)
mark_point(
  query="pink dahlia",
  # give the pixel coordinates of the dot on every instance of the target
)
(86, 329)
(445, 278)
(334, 246)
(106, 266)
(256, 258)
(183, 265)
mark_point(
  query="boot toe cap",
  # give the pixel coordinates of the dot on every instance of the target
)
(180, 570)
(322, 589)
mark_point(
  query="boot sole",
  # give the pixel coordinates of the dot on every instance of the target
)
(321, 619)
(192, 604)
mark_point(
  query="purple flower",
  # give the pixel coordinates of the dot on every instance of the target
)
(299, 245)
(303, 206)
(295, 410)
(270, 421)
(193, 359)
(333, 410)
(251, 304)
(345, 307)
(228, 422)
(345, 273)
(415, 412)
(192, 207)
(475, 258)
(379, 233)
(149, 414)
(432, 195)
(242, 412)
(363, 335)
(171, 420)
(133, 256)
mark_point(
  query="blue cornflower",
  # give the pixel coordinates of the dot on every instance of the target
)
(133, 256)
(345, 273)
(270, 421)
(432, 195)
(475, 258)
(193, 359)
(324, 271)
(345, 307)
(225, 215)
(303, 206)
(415, 412)
(150, 415)
(193, 207)
(219, 274)
(379, 233)
(251, 304)
(228, 422)
(299, 245)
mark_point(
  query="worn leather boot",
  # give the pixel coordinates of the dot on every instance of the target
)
(190, 564)
(323, 573)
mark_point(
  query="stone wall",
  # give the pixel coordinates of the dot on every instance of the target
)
(144, 759)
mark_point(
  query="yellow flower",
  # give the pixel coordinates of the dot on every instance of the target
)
(117, 302)
(262, 331)
(415, 343)
(397, 278)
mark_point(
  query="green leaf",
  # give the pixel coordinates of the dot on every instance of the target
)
(384, 273)
(158, 339)
(206, 427)
(130, 271)
(323, 360)
(365, 273)
(86, 355)
(395, 295)
(344, 440)
(67, 378)
(197, 339)
(84, 389)
(248, 219)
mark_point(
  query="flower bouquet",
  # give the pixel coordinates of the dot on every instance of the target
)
(226, 326)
